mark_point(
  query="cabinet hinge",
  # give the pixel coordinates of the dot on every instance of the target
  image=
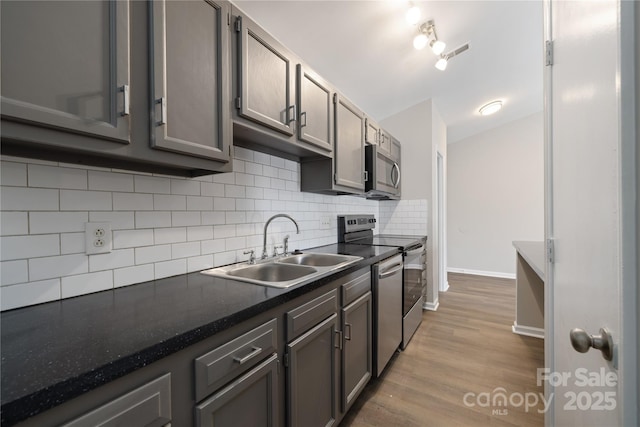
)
(238, 103)
(551, 252)
(548, 52)
(285, 360)
(335, 98)
(238, 24)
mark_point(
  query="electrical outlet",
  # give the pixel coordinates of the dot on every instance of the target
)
(97, 238)
(325, 221)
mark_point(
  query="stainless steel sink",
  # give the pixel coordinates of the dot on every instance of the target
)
(315, 259)
(286, 271)
(272, 272)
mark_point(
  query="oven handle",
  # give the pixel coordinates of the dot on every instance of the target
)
(391, 272)
(416, 251)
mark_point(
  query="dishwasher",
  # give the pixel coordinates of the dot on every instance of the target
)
(387, 288)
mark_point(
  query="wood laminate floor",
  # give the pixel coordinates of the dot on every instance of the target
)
(464, 348)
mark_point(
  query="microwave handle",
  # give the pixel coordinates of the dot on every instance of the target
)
(395, 166)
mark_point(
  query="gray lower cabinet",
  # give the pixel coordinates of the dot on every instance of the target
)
(190, 78)
(118, 83)
(357, 356)
(251, 400)
(146, 406)
(245, 391)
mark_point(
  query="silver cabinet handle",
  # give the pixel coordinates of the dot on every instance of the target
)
(125, 100)
(292, 117)
(254, 352)
(582, 342)
(347, 326)
(303, 119)
(338, 345)
(163, 110)
(387, 273)
(366, 176)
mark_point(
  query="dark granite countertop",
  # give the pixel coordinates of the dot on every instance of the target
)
(56, 351)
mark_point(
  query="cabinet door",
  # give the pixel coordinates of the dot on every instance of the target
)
(349, 144)
(311, 379)
(356, 354)
(395, 150)
(251, 400)
(266, 80)
(190, 74)
(372, 132)
(65, 65)
(314, 102)
(384, 142)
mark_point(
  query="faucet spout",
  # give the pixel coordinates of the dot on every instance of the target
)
(264, 236)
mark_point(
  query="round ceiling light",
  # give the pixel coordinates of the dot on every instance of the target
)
(491, 108)
(420, 41)
(413, 15)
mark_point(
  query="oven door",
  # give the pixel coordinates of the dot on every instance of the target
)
(383, 174)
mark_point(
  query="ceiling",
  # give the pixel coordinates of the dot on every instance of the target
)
(365, 49)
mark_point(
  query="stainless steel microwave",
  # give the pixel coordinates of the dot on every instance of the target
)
(382, 174)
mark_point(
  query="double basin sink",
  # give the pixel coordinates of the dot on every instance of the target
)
(285, 271)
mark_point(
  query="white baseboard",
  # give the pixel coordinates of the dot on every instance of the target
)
(431, 306)
(482, 273)
(445, 287)
(527, 330)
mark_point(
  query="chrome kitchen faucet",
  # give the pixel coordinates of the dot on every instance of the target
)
(264, 237)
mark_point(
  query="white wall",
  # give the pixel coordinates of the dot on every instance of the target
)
(162, 226)
(495, 196)
(422, 133)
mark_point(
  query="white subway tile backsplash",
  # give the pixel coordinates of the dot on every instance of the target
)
(29, 294)
(57, 222)
(182, 219)
(57, 177)
(57, 266)
(199, 203)
(169, 235)
(200, 233)
(212, 189)
(29, 199)
(115, 259)
(86, 283)
(12, 272)
(14, 223)
(151, 254)
(155, 219)
(109, 181)
(184, 250)
(132, 238)
(152, 184)
(169, 202)
(185, 187)
(12, 173)
(24, 247)
(72, 243)
(131, 275)
(198, 263)
(162, 225)
(118, 220)
(132, 202)
(170, 268)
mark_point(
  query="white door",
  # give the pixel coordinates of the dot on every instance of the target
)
(590, 213)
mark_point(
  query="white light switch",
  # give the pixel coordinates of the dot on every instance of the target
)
(97, 238)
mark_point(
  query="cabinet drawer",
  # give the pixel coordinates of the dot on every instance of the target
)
(226, 362)
(355, 288)
(310, 314)
(149, 405)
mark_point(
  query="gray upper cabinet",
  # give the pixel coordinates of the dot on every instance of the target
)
(372, 132)
(190, 75)
(265, 77)
(349, 143)
(134, 85)
(384, 142)
(65, 65)
(315, 104)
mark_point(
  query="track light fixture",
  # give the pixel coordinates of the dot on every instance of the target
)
(427, 36)
(444, 58)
